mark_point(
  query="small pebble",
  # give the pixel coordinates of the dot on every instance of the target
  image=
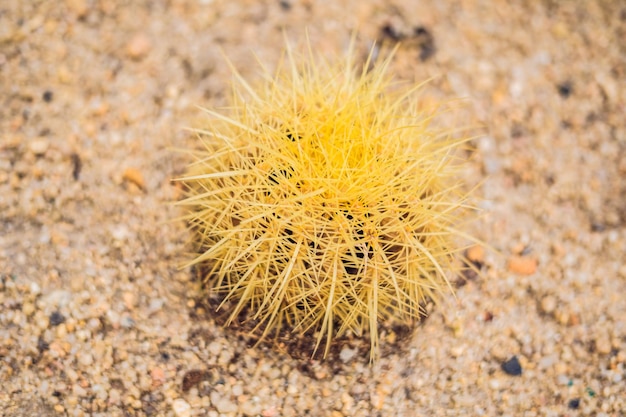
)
(28, 309)
(512, 367)
(38, 146)
(565, 89)
(573, 404)
(457, 351)
(476, 254)
(193, 378)
(127, 321)
(223, 404)
(56, 318)
(548, 304)
(158, 377)
(134, 176)
(494, 384)
(139, 46)
(85, 359)
(181, 408)
(79, 7)
(250, 408)
(237, 390)
(522, 265)
(47, 96)
(347, 354)
(603, 345)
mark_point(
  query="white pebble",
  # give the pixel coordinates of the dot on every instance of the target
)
(181, 408)
(346, 354)
(35, 289)
(494, 384)
(39, 146)
(237, 390)
(223, 405)
(548, 304)
(79, 391)
(250, 408)
(85, 359)
(156, 305)
(214, 348)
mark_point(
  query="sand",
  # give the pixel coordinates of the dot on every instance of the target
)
(97, 318)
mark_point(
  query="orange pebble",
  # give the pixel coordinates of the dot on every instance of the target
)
(134, 175)
(476, 254)
(522, 265)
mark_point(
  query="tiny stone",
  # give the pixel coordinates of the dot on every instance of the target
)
(548, 304)
(193, 378)
(181, 408)
(39, 146)
(494, 384)
(565, 89)
(223, 405)
(463, 400)
(42, 345)
(347, 354)
(28, 309)
(128, 297)
(127, 322)
(79, 7)
(158, 377)
(237, 390)
(156, 305)
(250, 408)
(476, 254)
(35, 289)
(522, 265)
(457, 351)
(47, 96)
(56, 318)
(214, 348)
(574, 403)
(603, 345)
(139, 46)
(134, 176)
(85, 359)
(512, 367)
(79, 391)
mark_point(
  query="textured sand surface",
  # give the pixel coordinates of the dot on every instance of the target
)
(97, 319)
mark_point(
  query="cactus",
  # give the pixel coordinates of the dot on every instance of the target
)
(323, 201)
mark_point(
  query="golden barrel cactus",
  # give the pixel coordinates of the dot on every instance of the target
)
(322, 201)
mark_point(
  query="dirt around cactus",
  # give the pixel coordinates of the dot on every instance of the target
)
(96, 318)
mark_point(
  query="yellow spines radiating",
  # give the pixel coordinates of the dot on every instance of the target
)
(323, 202)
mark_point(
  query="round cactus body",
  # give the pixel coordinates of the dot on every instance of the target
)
(323, 203)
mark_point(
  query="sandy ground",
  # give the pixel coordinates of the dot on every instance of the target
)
(97, 319)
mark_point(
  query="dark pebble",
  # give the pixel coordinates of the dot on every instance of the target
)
(426, 42)
(574, 403)
(390, 32)
(42, 345)
(565, 89)
(512, 367)
(56, 318)
(193, 378)
(77, 166)
(47, 96)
